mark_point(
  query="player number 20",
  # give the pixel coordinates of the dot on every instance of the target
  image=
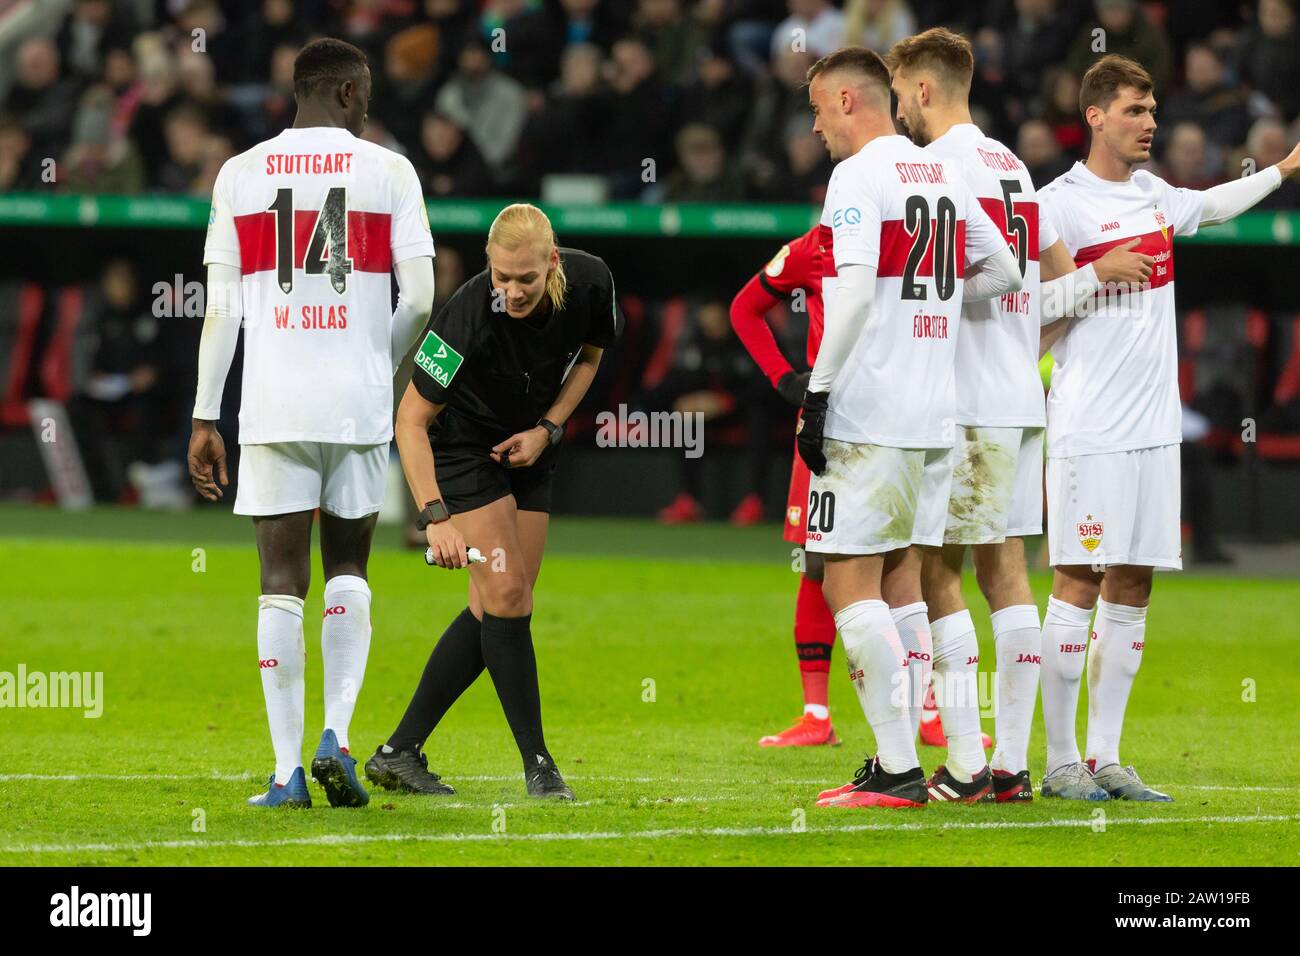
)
(327, 252)
(944, 228)
(821, 511)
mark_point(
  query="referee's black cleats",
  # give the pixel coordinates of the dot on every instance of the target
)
(406, 771)
(544, 780)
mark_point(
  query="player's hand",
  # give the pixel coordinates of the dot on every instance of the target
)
(447, 544)
(207, 460)
(808, 435)
(523, 449)
(1122, 265)
(792, 385)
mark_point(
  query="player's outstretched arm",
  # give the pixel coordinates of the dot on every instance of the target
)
(207, 451)
(1228, 200)
(415, 415)
(415, 290)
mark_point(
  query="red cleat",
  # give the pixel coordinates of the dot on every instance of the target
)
(932, 734)
(683, 510)
(861, 774)
(748, 512)
(1011, 787)
(807, 731)
(880, 789)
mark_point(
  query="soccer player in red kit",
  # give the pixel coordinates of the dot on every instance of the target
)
(794, 273)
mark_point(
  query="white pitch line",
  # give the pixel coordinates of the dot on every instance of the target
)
(668, 834)
(511, 778)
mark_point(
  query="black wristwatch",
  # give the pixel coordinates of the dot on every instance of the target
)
(555, 431)
(435, 512)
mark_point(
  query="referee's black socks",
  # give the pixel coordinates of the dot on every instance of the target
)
(508, 653)
(454, 664)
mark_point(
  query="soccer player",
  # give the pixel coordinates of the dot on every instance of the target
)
(898, 228)
(997, 458)
(500, 370)
(795, 271)
(304, 231)
(1114, 426)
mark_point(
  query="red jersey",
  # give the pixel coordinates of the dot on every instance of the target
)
(797, 267)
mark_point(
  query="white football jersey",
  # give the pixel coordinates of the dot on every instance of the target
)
(910, 215)
(315, 218)
(1115, 386)
(996, 370)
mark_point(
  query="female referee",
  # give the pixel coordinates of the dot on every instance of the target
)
(499, 370)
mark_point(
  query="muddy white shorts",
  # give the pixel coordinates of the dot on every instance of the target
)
(346, 481)
(997, 486)
(867, 499)
(1116, 508)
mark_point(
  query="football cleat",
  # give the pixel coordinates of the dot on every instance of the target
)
(292, 794)
(748, 512)
(808, 731)
(881, 789)
(932, 735)
(1123, 783)
(336, 770)
(1072, 782)
(683, 510)
(944, 787)
(407, 771)
(858, 776)
(544, 781)
(1011, 787)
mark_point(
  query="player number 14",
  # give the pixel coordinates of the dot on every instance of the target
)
(327, 251)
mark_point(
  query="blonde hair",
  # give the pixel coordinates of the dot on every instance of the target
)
(523, 223)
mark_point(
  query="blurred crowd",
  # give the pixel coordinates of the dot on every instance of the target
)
(659, 100)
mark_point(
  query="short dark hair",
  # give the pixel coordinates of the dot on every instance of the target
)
(853, 59)
(1104, 78)
(948, 54)
(326, 61)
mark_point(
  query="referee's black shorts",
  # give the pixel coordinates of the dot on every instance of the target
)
(469, 479)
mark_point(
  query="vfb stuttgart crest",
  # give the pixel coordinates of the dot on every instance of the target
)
(1090, 532)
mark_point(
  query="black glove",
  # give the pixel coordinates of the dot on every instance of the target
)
(791, 385)
(808, 436)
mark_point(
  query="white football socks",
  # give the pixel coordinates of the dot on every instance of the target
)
(1019, 644)
(878, 668)
(1113, 662)
(956, 691)
(913, 626)
(344, 645)
(1065, 639)
(282, 661)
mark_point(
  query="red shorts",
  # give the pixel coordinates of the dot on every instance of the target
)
(796, 503)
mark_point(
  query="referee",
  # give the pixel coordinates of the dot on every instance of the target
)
(498, 372)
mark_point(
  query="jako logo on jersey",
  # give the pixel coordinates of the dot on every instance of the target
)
(918, 655)
(336, 609)
(846, 217)
(268, 662)
(972, 660)
(1029, 659)
(1090, 533)
(1108, 226)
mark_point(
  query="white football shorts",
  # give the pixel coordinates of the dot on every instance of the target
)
(346, 481)
(1116, 508)
(867, 500)
(997, 487)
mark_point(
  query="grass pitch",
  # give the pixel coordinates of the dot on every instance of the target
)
(664, 654)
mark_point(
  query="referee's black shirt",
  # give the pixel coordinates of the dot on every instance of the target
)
(497, 375)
